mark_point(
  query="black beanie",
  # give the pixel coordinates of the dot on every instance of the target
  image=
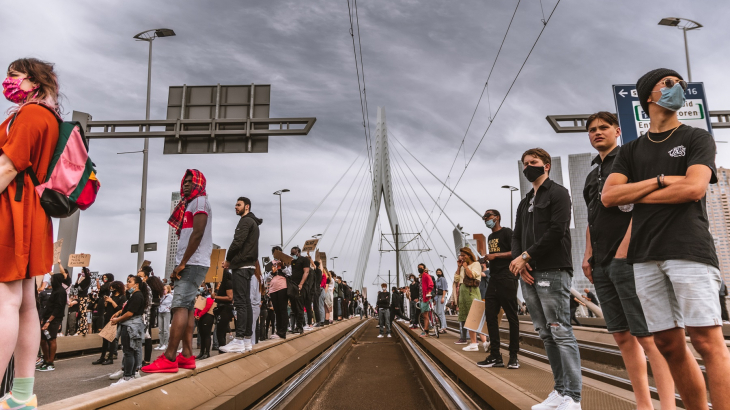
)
(647, 82)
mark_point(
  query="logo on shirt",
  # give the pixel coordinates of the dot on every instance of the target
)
(677, 151)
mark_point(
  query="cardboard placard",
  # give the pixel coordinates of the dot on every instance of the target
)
(79, 260)
(215, 272)
(109, 332)
(310, 245)
(145, 263)
(200, 303)
(322, 258)
(284, 258)
(57, 250)
(476, 321)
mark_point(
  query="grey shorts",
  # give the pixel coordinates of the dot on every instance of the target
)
(678, 293)
(186, 288)
(616, 289)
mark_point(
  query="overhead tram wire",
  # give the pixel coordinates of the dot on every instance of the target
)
(355, 198)
(491, 121)
(368, 144)
(356, 217)
(321, 202)
(486, 84)
(360, 227)
(324, 233)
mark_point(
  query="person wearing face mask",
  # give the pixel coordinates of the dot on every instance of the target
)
(439, 301)
(665, 174)
(414, 290)
(295, 292)
(542, 258)
(27, 249)
(383, 305)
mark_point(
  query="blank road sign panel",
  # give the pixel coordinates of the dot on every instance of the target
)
(224, 102)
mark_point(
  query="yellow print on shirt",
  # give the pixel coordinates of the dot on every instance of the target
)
(494, 246)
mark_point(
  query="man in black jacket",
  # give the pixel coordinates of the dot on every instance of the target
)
(383, 304)
(242, 258)
(541, 252)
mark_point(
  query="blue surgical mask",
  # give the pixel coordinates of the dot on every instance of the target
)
(295, 257)
(672, 98)
(490, 223)
(201, 289)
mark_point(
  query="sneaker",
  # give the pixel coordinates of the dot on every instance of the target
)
(116, 375)
(514, 363)
(161, 347)
(8, 402)
(137, 375)
(460, 342)
(185, 362)
(554, 399)
(161, 365)
(121, 381)
(380, 336)
(235, 346)
(424, 334)
(274, 337)
(569, 404)
(247, 344)
(486, 345)
(47, 367)
(491, 361)
(39, 361)
(179, 350)
(388, 334)
(471, 347)
(307, 328)
(39, 365)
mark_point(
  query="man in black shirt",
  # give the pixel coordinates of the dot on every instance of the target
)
(317, 294)
(224, 314)
(299, 273)
(541, 252)
(414, 290)
(501, 292)
(665, 174)
(604, 264)
(383, 304)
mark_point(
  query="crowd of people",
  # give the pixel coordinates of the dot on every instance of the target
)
(649, 255)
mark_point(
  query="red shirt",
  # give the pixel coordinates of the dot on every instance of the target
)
(426, 286)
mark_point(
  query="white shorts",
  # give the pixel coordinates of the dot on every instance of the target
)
(678, 293)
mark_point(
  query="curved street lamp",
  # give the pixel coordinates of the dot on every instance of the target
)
(685, 25)
(511, 212)
(281, 217)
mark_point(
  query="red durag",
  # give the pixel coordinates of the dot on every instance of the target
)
(176, 219)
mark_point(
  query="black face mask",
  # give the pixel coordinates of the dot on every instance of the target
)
(533, 173)
(420, 270)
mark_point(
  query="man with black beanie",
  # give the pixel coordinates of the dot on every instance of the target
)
(665, 174)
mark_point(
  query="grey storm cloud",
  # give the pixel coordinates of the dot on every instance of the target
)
(425, 61)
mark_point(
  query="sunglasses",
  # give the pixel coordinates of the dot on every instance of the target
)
(670, 82)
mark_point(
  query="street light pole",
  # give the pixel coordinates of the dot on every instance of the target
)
(333, 262)
(281, 216)
(511, 207)
(147, 36)
(686, 25)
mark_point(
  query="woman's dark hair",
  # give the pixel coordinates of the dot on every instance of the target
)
(41, 73)
(439, 270)
(156, 285)
(86, 282)
(108, 276)
(142, 288)
(56, 281)
(117, 286)
(148, 271)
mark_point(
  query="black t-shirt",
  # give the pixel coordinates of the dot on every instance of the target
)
(316, 275)
(110, 310)
(592, 298)
(415, 289)
(608, 226)
(500, 241)
(56, 305)
(226, 285)
(669, 231)
(297, 268)
(135, 304)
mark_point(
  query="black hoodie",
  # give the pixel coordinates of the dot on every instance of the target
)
(244, 250)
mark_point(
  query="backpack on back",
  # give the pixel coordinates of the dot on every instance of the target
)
(71, 182)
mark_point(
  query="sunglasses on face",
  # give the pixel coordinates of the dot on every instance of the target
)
(670, 82)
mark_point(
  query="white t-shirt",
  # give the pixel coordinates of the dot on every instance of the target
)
(201, 257)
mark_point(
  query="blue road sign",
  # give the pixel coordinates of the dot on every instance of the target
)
(634, 122)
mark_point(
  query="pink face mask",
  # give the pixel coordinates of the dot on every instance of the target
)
(13, 92)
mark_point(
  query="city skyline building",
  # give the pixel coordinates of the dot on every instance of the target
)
(718, 214)
(579, 166)
(171, 239)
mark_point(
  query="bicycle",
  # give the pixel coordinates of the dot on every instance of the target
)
(434, 322)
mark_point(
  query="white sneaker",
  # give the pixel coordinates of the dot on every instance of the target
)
(121, 381)
(380, 336)
(471, 347)
(307, 328)
(554, 399)
(116, 375)
(161, 347)
(388, 334)
(236, 346)
(248, 346)
(486, 345)
(179, 350)
(274, 336)
(568, 404)
(137, 375)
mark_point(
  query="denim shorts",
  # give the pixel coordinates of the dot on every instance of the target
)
(678, 293)
(424, 307)
(186, 288)
(616, 289)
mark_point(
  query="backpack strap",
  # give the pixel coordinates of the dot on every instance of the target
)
(20, 182)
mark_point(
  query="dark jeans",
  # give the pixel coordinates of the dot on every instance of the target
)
(279, 300)
(337, 306)
(271, 321)
(261, 332)
(297, 304)
(225, 314)
(307, 301)
(108, 347)
(130, 362)
(97, 323)
(316, 303)
(242, 302)
(205, 328)
(502, 293)
(414, 313)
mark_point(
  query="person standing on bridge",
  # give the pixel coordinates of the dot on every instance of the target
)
(299, 273)
(441, 288)
(242, 260)
(501, 292)
(665, 174)
(383, 304)
(604, 264)
(192, 220)
(541, 252)
(426, 294)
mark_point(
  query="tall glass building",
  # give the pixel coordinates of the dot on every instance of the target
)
(171, 239)
(579, 166)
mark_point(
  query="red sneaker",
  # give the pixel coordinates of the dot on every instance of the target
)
(161, 365)
(186, 362)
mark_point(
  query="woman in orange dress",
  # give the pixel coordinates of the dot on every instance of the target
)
(26, 233)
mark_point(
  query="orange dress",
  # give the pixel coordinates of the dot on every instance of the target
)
(26, 232)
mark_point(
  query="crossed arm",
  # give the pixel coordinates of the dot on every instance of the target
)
(678, 189)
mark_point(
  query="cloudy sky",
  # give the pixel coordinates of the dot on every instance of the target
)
(425, 62)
